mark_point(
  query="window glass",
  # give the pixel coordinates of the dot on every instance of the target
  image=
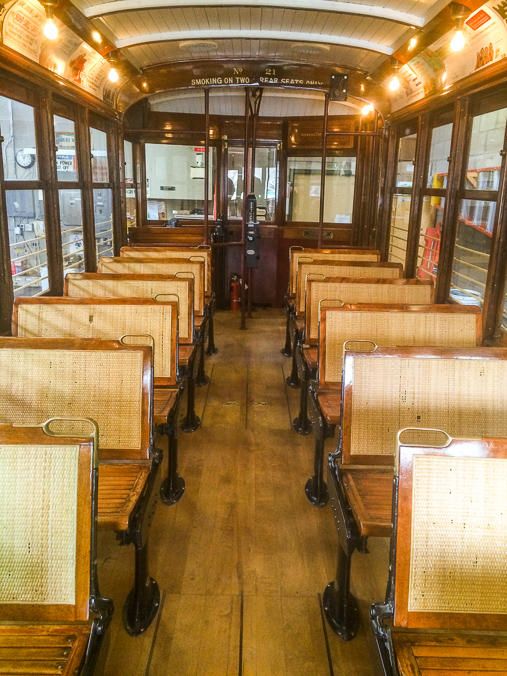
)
(471, 251)
(440, 150)
(129, 162)
(399, 228)
(175, 181)
(266, 182)
(27, 242)
(235, 178)
(406, 157)
(71, 221)
(100, 170)
(130, 195)
(102, 205)
(430, 236)
(484, 159)
(303, 190)
(19, 151)
(66, 159)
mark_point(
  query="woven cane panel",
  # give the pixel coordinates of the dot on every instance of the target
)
(458, 561)
(368, 256)
(133, 288)
(126, 267)
(172, 253)
(465, 397)
(106, 322)
(103, 385)
(341, 271)
(38, 525)
(394, 328)
(409, 294)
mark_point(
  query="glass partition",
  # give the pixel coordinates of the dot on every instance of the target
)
(175, 181)
(17, 126)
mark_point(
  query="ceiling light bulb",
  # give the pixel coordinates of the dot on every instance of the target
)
(458, 41)
(113, 75)
(97, 36)
(412, 43)
(444, 76)
(367, 109)
(50, 30)
(394, 84)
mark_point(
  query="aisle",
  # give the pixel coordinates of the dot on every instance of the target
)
(243, 558)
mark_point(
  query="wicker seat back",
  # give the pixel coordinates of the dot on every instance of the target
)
(106, 319)
(103, 380)
(173, 266)
(96, 285)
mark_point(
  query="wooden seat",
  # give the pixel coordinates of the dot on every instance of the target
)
(111, 383)
(134, 321)
(384, 324)
(446, 607)
(390, 388)
(158, 235)
(120, 489)
(53, 618)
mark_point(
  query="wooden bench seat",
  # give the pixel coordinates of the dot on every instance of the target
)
(52, 616)
(446, 607)
(383, 324)
(458, 389)
(120, 489)
(112, 384)
(134, 321)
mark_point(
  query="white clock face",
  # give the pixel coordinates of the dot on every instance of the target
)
(25, 160)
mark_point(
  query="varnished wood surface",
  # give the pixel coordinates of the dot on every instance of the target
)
(369, 491)
(243, 558)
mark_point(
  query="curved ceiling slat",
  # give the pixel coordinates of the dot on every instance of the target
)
(331, 6)
(256, 35)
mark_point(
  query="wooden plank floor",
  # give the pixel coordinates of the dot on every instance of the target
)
(243, 558)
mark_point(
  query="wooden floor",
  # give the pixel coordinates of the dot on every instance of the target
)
(243, 558)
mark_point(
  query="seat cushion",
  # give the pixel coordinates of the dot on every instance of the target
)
(329, 404)
(369, 492)
(120, 487)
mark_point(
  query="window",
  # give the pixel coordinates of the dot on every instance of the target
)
(440, 150)
(478, 208)
(71, 223)
(265, 182)
(103, 213)
(303, 196)
(402, 198)
(175, 181)
(100, 170)
(130, 189)
(430, 236)
(18, 148)
(66, 158)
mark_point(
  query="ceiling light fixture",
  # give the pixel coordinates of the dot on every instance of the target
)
(367, 109)
(50, 28)
(412, 44)
(458, 13)
(97, 37)
(112, 58)
(394, 82)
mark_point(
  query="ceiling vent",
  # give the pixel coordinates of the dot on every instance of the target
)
(201, 46)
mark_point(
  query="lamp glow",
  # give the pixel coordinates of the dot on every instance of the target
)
(113, 75)
(458, 41)
(412, 43)
(367, 109)
(97, 36)
(394, 83)
(50, 29)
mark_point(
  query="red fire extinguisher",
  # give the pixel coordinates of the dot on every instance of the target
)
(234, 293)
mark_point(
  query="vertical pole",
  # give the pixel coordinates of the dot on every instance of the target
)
(323, 169)
(245, 188)
(206, 165)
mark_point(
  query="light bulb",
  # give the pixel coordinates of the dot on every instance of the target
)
(444, 76)
(50, 30)
(394, 84)
(367, 109)
(97, 36)
(458, 41)
(113, 75)
(412, 43)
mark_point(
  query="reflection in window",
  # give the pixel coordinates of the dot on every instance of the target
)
(303, 197)
(399, 228)
(129, 163)
(71, 221)
(175, 181)
(27, 242)
(103, 212)
(406, 157)
(430, 237)
(484, 160)
(440, 150)
(19, 152)
(100, 170)
(66, 159)
(471, 252)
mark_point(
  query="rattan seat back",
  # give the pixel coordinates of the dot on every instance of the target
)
(169, 266)
(360, 269)
(140, 320)
(342, 254)
(451, 540)
(103, 380)
(386, 325)
(46, 494)
(187, 253)
(349, 290)
(166, 287)
(461, 391)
